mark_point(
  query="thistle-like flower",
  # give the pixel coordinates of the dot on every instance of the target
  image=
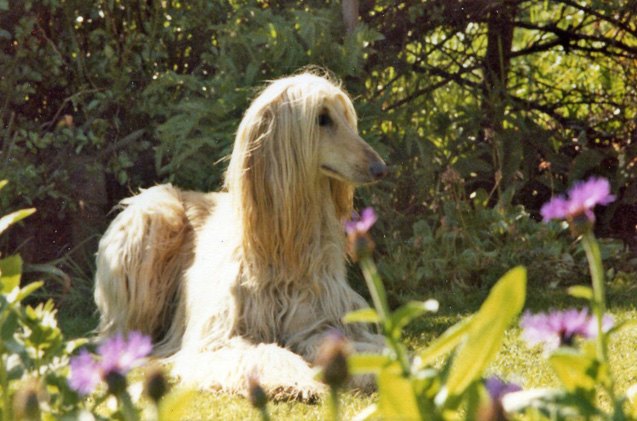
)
(117, 356)
(580, 202)
(359, 242)
(332, 358)
(560, 328)
(494, 409)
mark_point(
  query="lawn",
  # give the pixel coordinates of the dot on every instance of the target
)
(515, 361)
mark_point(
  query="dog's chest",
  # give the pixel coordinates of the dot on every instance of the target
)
(276, 316)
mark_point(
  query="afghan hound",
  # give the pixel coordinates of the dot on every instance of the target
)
(248, 281)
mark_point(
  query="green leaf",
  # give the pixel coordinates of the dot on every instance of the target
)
(27, 290)
(486, 331)
(364, 315)
(408, 312)
(10, 272)
(177, 405)
(396, 396)
(575, 370)
(445, 342)
(3, 183)
(367, 363)
(581, 291)
(10, 219)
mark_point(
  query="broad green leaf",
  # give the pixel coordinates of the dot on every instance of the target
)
(581, 291)
(445, 342)
(10, 219)
(364, 315)
(3, 183)
(486, 332)
(575, 370)
(367, 363)
(177, 405)
(27, 290)
(10, 272)
(396, 396)
(408, 312)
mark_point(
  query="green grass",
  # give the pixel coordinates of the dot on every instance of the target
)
(515, 361)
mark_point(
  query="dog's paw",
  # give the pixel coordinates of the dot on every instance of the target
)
(307, 392)
(365, 383)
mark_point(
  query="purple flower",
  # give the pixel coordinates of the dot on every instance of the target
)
(360, 224)
(359, 242)
(494, 409)
(559, 328)
(85, 373)
(116, 356)
(581, 200)
(497, 387)
(120, 355)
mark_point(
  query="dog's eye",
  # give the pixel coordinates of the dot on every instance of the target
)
(324, 119)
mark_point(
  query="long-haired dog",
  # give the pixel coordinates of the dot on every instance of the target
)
(247, 282)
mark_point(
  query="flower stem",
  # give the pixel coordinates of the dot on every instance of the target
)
(379, 298)
(128, 409)
(376, 288)
(591, 247)
(594, 257)
(265, 415)
(334, 404)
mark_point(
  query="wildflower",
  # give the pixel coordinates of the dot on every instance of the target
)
(26, 402)
(85, 373)
(494, 409)
(121, 355)
(359, 241)
(582, 198)
(117, 357)
(155, 384)
(497, 388)
(560, 328)
(332, 357)
(256, 394)
(361, 224)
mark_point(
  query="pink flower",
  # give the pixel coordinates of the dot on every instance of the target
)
(361, 224)
(85, 373)
(581, 200)
(497, 387)
(559, 328)
(116, 356)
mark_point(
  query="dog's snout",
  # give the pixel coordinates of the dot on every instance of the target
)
(378, 170)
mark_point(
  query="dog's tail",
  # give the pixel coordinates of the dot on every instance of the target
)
(140, 261)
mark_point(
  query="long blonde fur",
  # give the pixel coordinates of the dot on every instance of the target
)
(248, 281)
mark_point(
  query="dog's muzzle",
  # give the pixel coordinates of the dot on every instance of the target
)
(378, 170)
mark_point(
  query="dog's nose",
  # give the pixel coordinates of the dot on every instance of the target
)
(378, 170)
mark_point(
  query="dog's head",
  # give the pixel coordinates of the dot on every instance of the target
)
(297, 146)
(305, 127)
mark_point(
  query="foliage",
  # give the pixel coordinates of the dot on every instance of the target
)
(100, 96)
(103, 97)
(470, 244)
(35, 358)
(417, 389)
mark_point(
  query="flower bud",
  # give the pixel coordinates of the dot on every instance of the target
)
(332, 357)
(116, 382)
(155, 384)
(26, 403)
(360, 245)
(256, 394)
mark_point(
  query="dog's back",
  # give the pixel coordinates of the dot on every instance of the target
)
(141, 259)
